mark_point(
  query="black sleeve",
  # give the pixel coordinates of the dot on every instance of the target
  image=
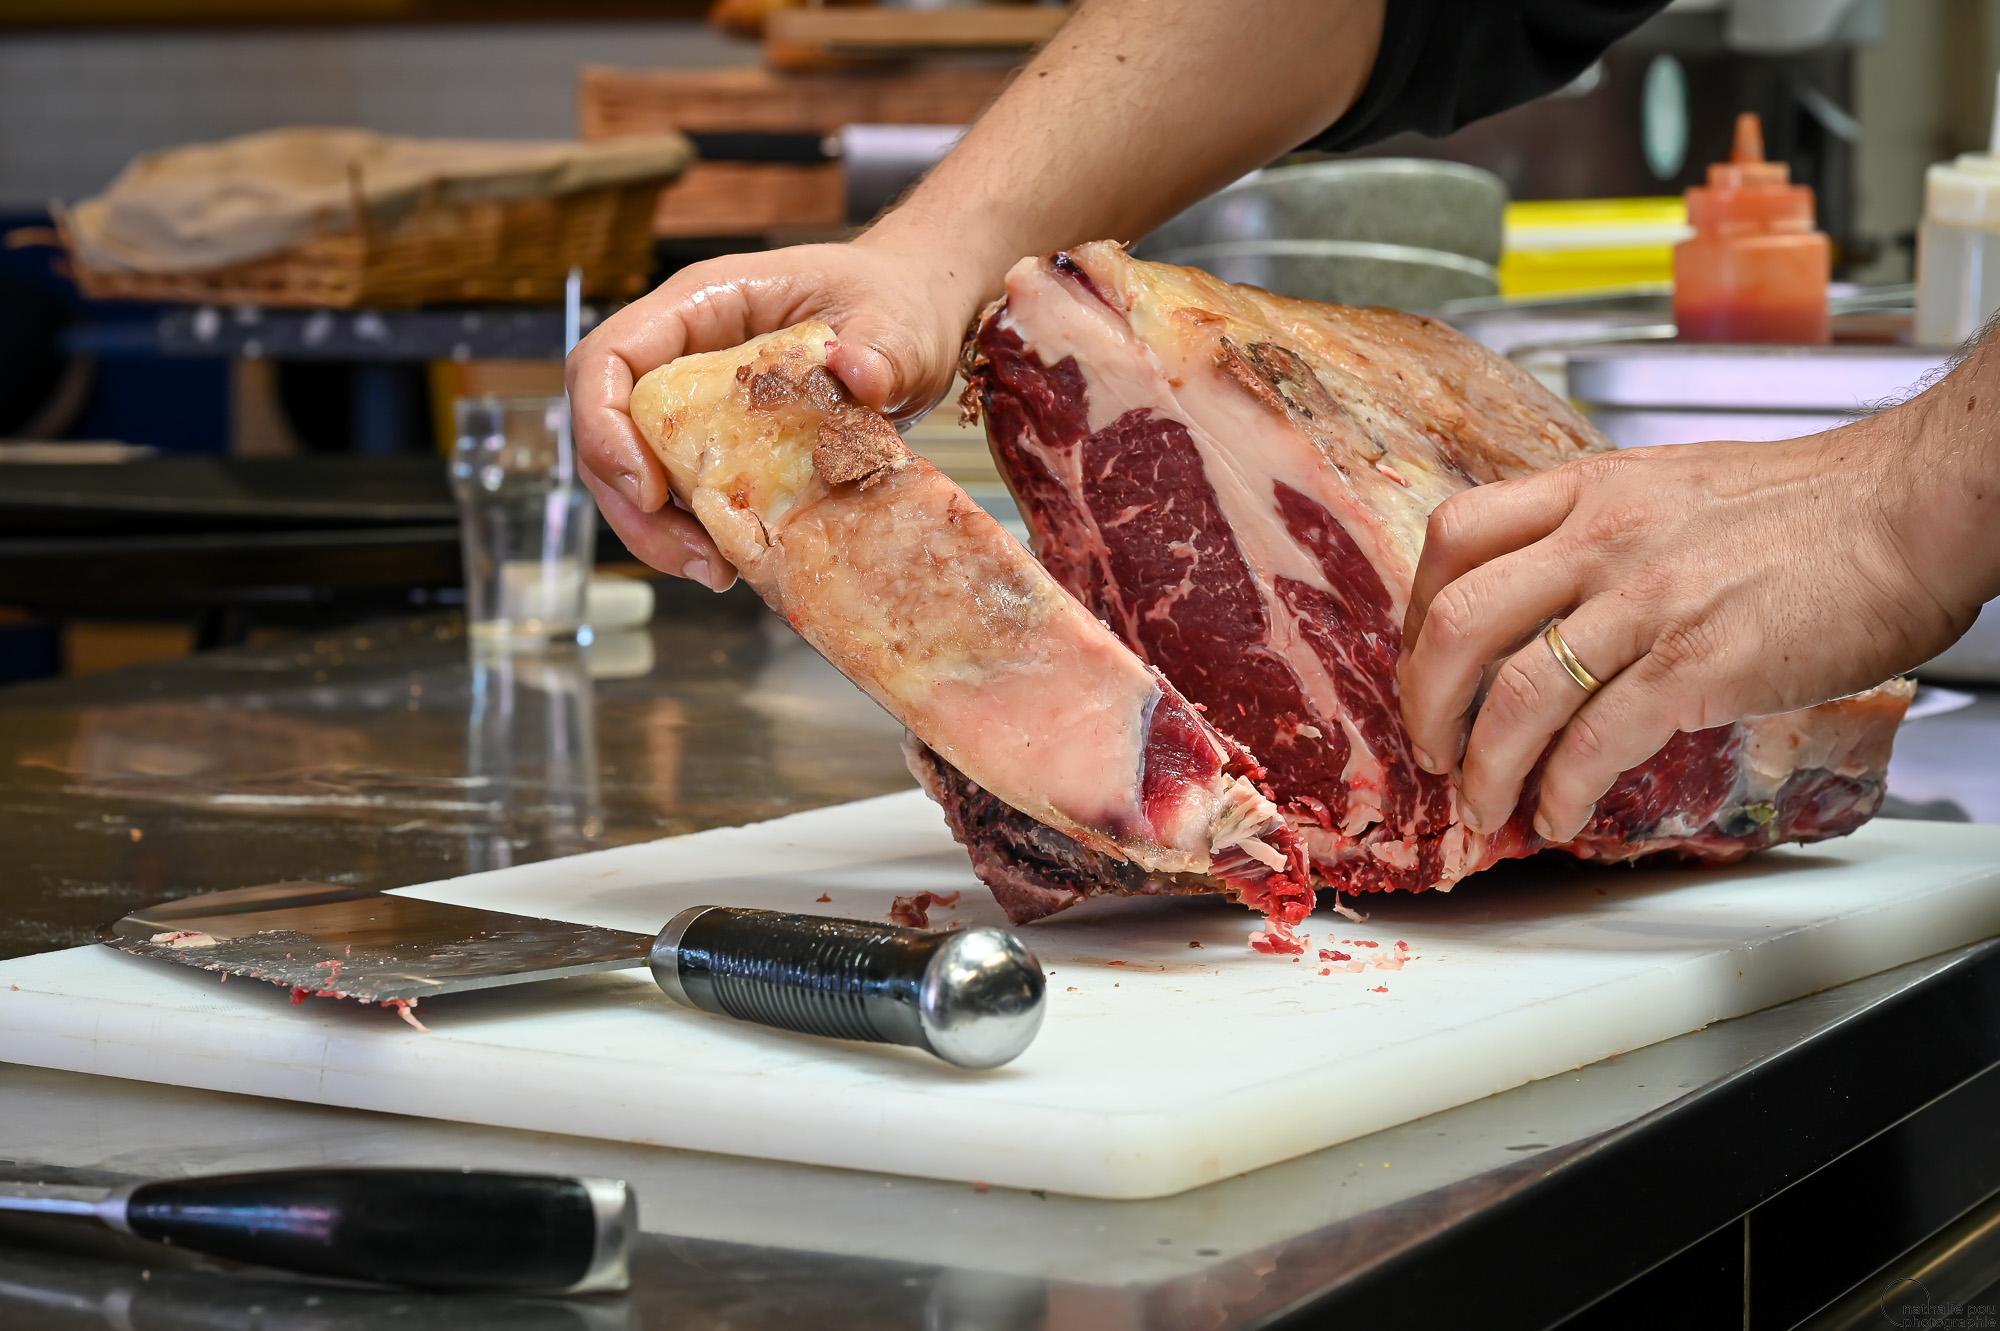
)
(1447, 63)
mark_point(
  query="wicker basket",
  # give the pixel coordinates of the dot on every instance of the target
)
(507, 250)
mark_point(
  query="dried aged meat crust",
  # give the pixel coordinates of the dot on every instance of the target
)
(1238, 484)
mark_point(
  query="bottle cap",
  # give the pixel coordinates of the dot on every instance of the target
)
(1966, 192)
(1746, 166)
(1748, 193)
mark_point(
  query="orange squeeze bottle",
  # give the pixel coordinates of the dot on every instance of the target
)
(1757, 268)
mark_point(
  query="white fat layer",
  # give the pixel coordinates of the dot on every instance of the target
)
(929, 605)
(1263, 854)
(1397, 854)
(1845, 736)
(978, 652)
(1124, 371)
(1364, 776)
(1460, 850)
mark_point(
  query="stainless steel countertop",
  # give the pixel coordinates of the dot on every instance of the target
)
(383, 756)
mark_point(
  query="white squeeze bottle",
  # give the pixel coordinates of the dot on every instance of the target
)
(1958, 252)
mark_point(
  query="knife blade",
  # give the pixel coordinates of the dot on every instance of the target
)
(972, 997)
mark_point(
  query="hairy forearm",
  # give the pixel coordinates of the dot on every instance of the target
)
(1136, 109)
(1948, 437)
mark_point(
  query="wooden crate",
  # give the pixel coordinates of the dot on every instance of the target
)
(741, 198)
(818, 36)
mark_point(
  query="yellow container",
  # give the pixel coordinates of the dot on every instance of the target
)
(1566, 247)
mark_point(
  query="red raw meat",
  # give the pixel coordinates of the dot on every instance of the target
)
(914, 911)
(1238, 485)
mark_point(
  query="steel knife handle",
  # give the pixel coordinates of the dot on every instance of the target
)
(973, 997)
(425, 1228)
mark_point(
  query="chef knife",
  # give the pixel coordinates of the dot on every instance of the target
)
(973, 997)
(424, 1228)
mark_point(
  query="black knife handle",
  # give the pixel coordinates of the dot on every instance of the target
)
(764, 146)
(425, 1228)
(973, 997)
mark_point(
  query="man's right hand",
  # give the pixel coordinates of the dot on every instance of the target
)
(898, 314)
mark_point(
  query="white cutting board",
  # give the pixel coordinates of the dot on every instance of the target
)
(1161, 1066)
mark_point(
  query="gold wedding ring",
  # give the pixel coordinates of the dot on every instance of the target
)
(1567, 659)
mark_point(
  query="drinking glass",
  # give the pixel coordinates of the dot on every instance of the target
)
(527, 525)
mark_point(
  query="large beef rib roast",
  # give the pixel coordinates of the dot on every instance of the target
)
(1238, 484)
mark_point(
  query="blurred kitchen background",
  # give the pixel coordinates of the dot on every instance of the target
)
(197, 460)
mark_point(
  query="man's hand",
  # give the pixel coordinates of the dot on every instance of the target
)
(898, 315)
(1135, 110)
(1702, 584)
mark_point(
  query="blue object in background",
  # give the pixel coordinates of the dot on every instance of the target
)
(30, 650)
(135, 396)
(131, 393)
(178, 405)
